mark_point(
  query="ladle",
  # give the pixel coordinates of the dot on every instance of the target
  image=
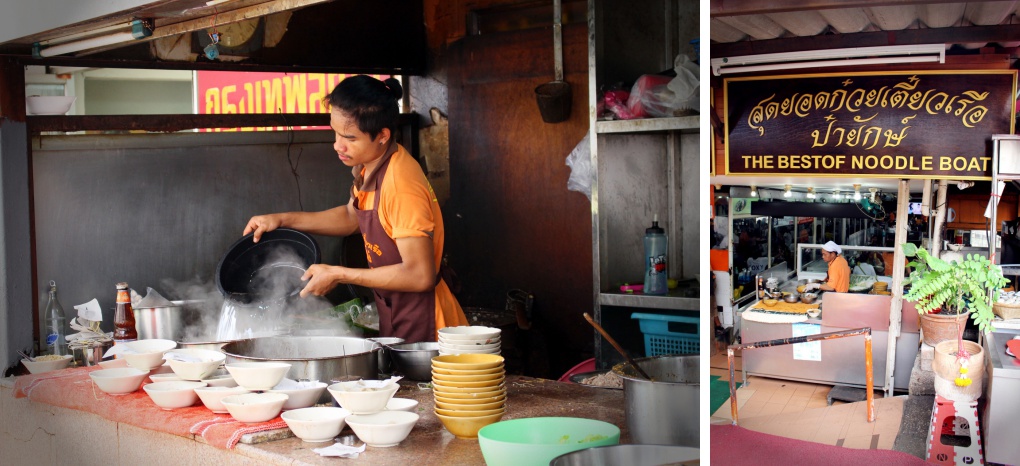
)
(616, 345)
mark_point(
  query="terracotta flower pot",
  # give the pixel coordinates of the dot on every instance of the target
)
(937, 328)
(947, 369)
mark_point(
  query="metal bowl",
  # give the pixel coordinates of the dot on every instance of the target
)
(326, 359)
(627, 454)
(808, 298)
(414, 360)
(791, 297)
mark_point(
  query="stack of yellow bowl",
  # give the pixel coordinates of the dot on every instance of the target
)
(881, 288)
(469, 391)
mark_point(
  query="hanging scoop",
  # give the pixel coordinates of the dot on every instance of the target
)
(554, 98)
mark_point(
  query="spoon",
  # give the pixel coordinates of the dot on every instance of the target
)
(615, 345)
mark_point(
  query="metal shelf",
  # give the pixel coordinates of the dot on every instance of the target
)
(645, 125)
(669, 301)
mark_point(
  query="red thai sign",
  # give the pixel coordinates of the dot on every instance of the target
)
(231, 92)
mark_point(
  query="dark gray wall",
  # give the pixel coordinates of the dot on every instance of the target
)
(15, 244)
(150, 207)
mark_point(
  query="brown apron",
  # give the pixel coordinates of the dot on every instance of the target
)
(407, 315)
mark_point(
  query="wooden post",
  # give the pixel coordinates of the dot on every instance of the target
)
(733, 387)
(869, 377)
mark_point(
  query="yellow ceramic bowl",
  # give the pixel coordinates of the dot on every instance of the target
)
(469, 407)
(769, 302)
(458, 379)
(495, 370)
(467, 427)
(468, 361)
(469, 413)
(444, 388)
(470, 395)
(445, 398)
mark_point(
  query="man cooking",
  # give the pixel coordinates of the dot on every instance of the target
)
(838, 278)
(394, 208)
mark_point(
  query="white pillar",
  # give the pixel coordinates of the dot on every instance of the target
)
(896, 309)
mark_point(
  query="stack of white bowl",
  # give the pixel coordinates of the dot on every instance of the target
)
(469, 391)
(366, 401)
(469, 340)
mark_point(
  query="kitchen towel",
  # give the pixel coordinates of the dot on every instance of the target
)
(72, 388)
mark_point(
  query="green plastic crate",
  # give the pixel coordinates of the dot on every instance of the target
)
(669, 334)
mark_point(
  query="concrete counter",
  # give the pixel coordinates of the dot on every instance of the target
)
(38, 433)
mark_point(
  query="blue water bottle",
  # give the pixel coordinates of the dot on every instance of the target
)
(655, 258)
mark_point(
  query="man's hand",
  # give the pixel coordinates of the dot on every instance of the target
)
(261, 224)
(321, 279)
(812, 287)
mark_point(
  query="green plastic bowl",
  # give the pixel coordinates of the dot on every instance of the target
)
(537, 440)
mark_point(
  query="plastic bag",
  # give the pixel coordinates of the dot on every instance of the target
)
(662, 96)
(579, 162)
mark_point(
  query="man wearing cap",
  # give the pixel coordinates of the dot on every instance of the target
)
(838, 278)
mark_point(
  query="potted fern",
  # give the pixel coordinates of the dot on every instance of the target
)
(945, 293)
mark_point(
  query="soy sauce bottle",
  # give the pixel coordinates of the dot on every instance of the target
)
(124, 317)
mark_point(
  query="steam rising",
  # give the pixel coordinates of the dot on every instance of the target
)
(274, 308)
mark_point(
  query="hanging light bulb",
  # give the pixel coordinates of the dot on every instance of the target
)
(857, 192)
(835, 194)
(754, 191)
(787, 193)
(874, 191)
(811, 193)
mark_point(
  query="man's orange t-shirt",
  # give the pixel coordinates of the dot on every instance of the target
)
(839, 275)
(408, 208)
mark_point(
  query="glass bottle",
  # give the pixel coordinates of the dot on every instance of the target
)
(56, 324)
(655, 259)
(124, 317)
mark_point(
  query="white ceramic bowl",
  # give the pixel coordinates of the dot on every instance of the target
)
(38, 367)
(119, 381)
(49, 104)
(303, 395)
(147, 354)
(220, 380)
(254, 407)
(471, 333)
(113, 363)
(352, 397)
(173, 395)
(382, 429)
(401, 404)
(258, 375)
(463, 346)
(171, 377)
(814, 313)
(212, 397)
(316, 424)
(194, 364)
(445, 351)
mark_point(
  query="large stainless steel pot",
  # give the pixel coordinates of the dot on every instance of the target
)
(165, 322)
(211, 343)
(664, 410)
(322, 358)
(631, 455)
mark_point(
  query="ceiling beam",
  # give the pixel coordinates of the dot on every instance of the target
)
(759, 7)
(955, 35)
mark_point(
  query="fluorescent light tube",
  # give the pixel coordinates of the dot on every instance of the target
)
(827, 58)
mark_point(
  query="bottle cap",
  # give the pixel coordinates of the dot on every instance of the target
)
(122, 286)
(655, 229)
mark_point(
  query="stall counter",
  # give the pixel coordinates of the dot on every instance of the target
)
(39, 433)
(839, 361)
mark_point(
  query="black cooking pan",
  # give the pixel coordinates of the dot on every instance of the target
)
(269, 270)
